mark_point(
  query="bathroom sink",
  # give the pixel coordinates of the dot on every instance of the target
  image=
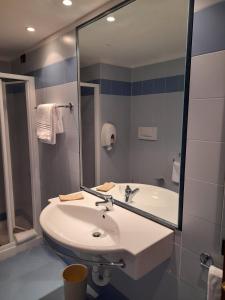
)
(157, 201)
(116, 234)
(81, 227)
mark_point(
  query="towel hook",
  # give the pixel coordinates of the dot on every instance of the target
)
(206, 260)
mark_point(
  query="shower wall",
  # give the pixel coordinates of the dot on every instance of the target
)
(19, 149)
(53, 64)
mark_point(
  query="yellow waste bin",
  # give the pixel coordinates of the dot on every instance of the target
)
(75, 282)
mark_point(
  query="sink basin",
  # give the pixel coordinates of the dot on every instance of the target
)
(117, 234)
(155, 200)
(82, 227)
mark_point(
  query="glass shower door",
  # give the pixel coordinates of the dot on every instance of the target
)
(6, 201)
(18, 139)
(19, 165)
(4, 235)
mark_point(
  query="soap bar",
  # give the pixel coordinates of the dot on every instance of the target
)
(71, 197)
(105, 187)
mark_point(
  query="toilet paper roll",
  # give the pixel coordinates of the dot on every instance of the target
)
(108, 136)
(176, 172)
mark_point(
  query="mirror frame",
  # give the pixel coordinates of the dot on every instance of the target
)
(185, 111)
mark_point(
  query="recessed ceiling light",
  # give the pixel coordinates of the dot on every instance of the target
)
(111, 19)
(67, 2)
(30, 29)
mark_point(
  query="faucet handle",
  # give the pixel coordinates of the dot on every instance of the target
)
(109, 198)
(129, 193)
(128, 189)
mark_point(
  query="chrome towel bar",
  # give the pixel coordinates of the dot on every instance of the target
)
(70, 106)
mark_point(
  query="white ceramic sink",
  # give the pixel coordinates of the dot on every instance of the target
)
(123, 234)
(76, 225)
(155, 200)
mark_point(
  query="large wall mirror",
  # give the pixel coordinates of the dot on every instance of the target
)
(134, 81)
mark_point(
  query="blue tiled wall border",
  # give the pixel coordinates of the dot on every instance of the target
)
(209, 30)
(153, 86)
(56, 74)
(65, 72)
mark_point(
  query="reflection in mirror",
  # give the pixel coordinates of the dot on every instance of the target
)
(132, 129)
(4, 235)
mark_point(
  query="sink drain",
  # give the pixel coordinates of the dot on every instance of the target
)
(96, 234)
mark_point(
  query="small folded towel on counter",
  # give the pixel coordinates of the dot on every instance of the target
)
(71, 197)
(49, 123)
(105, 187)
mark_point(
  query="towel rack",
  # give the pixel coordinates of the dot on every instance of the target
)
(69, 105)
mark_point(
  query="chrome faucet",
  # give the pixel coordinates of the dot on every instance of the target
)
(129, 193)
(108, 202)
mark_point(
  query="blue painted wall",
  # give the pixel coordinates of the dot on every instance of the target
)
(209, 30)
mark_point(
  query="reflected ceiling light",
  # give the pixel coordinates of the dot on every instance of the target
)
(30, 29)
(67, 2)
(68, 40)
(111, 19)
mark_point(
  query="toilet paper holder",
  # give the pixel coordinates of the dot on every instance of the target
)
(206, 260)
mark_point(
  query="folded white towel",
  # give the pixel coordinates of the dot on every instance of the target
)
(49, 123)
(59, 122)
(214, 283)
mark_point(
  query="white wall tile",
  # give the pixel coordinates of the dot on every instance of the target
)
(188, 292)
(174, 261)
(178, 237)
(207, 75)
(205, 161)
(206, 120)
(191, 270)
(200, 235)
(203, 200)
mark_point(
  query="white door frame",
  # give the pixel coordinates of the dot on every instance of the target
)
(7, 168)
(33, 151)
(97, 129)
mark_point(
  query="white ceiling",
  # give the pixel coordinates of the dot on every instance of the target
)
(47, 16)
(144, 32)
(50, 16)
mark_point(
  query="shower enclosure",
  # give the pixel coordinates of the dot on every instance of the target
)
(19, 166)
